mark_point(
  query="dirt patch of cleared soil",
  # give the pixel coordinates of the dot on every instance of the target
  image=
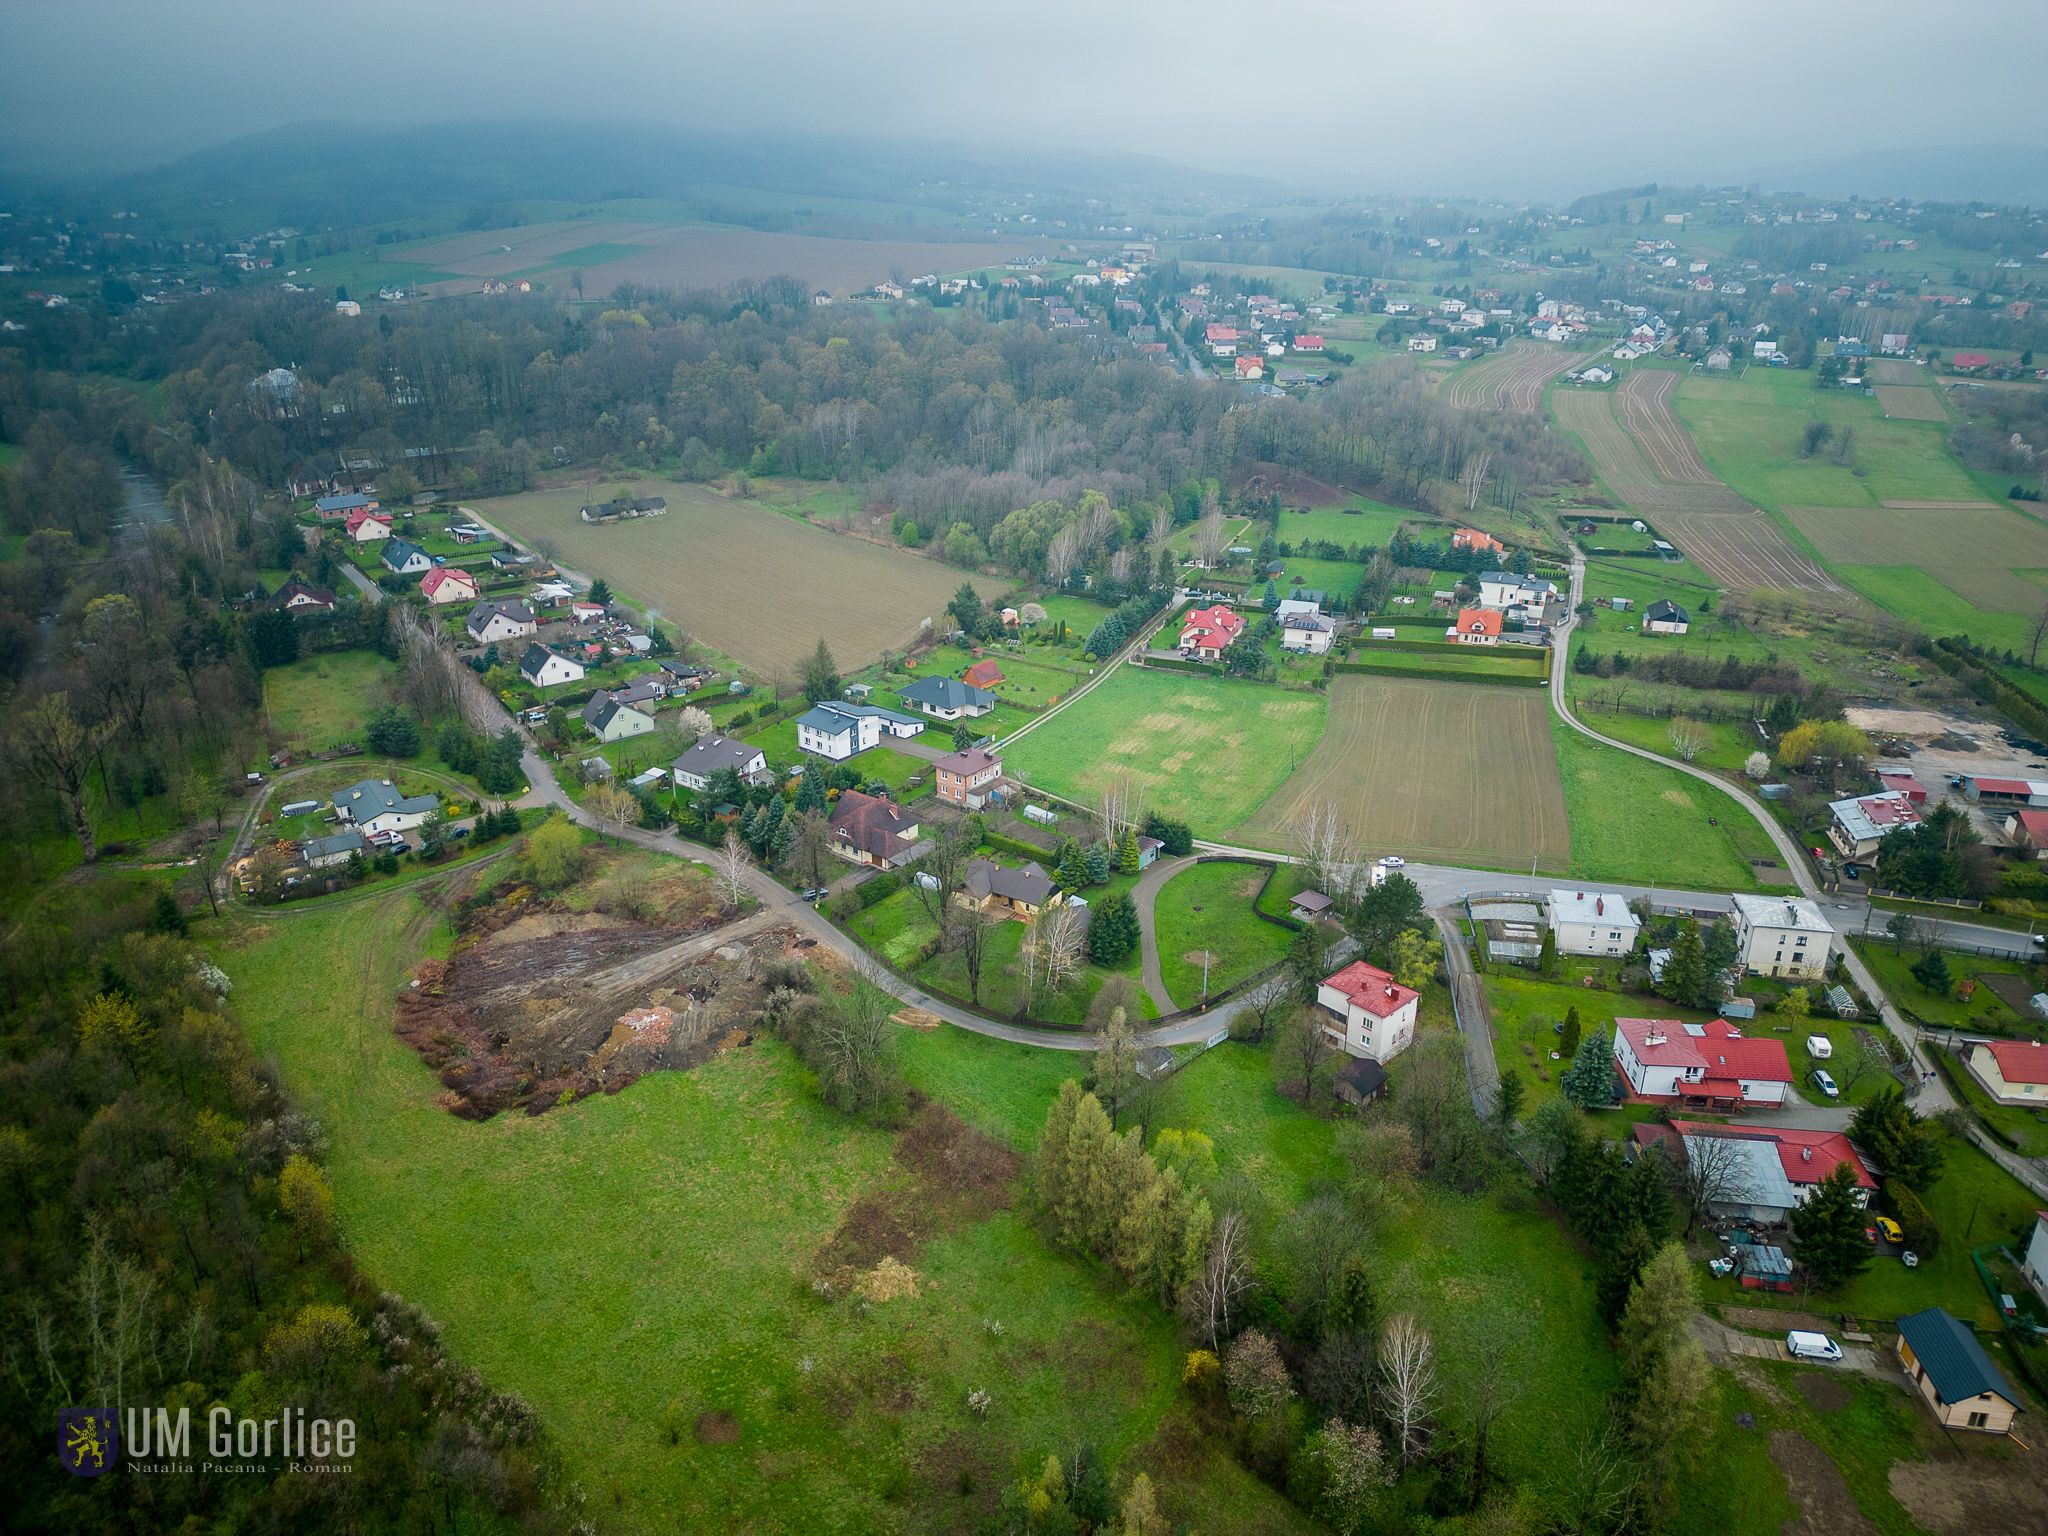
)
(1816, 1485)
(953, 1175)
(1992, 1485)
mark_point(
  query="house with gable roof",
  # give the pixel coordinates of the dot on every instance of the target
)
(1206, 633)
(1711, 1066)
(1366, 1012)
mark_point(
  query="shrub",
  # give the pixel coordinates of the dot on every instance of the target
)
(1914, 1219)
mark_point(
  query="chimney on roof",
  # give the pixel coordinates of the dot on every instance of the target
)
(1806, 1154)
(1654, 1037)
(1600, 907)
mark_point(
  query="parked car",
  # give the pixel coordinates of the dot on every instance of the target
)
(1394, 861)
(1801, 1345)
(1889, 1230)
(1826, 1084)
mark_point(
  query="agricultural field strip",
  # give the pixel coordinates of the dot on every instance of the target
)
(1910, 403)
(1456, 774)
(1976, 552)
(701, 566)
(1741, 552)
(1511, 380)
(1643, 403)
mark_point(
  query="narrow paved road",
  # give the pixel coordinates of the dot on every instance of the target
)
(370, 590)
(1145, 896)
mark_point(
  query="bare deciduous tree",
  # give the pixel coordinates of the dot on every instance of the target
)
(1303, 1051)
(1408, 1383)
(1209, 539)
(937, 876)
(1224, 1282)
(1707, 1171)
(1492, 1369)
(1116, 1064)
(1054, 948)
(1254, 1019)
(853, 1035)
(1325, 848)
(1475, 476)
(616, 808)
(1121, 808)
(1687, 736)
(967, 930)
(731, 864)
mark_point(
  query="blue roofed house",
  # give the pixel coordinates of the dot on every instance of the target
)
(831, 729)
(375, 805)
(406, 558)
(335, 509)
(947, 698)
(326, 852)
(1965, 1389)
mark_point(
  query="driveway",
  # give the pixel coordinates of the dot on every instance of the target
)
(1723, 1343)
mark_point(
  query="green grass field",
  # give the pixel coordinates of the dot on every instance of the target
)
(598, 1261)
(1363, 524)
(325, 699)
(1208, 909)
(1206, 749)
(1643, 823)
(1505, 664)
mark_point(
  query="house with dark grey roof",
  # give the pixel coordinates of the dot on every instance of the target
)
(1942, 1358)
(490, 621)
(694, 769)
(988, 886)
(609, 719)
(1664, 617)
(375, 805)
(297, 596)
(545, 668)
(836, 731)
(325, 852)
(405, 557)
(947, 698)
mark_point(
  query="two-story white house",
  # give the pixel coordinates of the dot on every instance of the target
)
(1702, 1066)
(1857, 825)
(1783, 936)
(693, 770)
(1592, 922)
(1366, 1012)
(489, 623)
(834, 730)
(544, 668)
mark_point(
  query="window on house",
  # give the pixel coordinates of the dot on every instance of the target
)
(1979, 1420)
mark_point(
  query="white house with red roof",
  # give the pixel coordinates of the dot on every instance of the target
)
(1705, 1066)
(366, 525)
(1856, 826)
(1222, 339)
(1250, 369)
(1308, 343)
(1475, 626)
(445, 584)
(1759, 1175)
(2012, 1071)
(1206, 633)
(1368, 1013)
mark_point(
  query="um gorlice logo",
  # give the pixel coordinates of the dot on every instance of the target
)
(88, 1440)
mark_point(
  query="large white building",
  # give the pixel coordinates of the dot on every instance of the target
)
(1857, 825)
(1367, 1012)
(1783, 936)
(837, 731)
(1592, 923)
(1702, 1066)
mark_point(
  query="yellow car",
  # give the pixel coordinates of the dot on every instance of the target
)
(1889, 1230)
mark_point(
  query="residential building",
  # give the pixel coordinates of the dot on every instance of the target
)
(964, 777)
(987, 673)
(2012, 1071)
(866, 829)
(1307, 634)
(1756, 1175)
(336, 848)
(1475, 626)
(1857, 825)
(334, 509)
(947, 698)
(1421, 343)
(1943, 1359)
(1664, 617)
(1782, 936)
(1299, 600)
(367, 525)
(1250, 369)
(1368, 1013)
(490, 623)
(1504, 590)
(695, 768)
(1360, 1081)
(375, 805)
(446, 584)
(1703, 1066)
(621, 508)
(837, 731)
(1206, 633)
(987, 886)
(1592, 922)
(406, 558)
(544, 668)
(1477, 539)
(297, 596)
(609, 718)
(2034, 1257)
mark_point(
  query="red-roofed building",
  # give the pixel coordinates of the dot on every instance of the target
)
(2012, 1071)
(1474, 538)
(1706, 1066)
(1250, 369)
(1902, 782)
(445, 584)
(366, 525)
(983, 674)
(1367, 1012)
(1988, 791)
(1207, 632)
(2028, 831)
(1475, 626)
(1756, 1174)
(1969, 362)
(1308, 343)
(1221, 338)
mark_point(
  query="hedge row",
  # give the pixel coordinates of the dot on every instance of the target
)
(1441, 674)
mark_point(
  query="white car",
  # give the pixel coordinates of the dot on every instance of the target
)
(1393, 861)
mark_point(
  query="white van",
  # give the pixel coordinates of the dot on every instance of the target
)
(1801, 1345)
(1819, 1047)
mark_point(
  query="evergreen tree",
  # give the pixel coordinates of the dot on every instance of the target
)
(1568, 1039)
(1508, 1099)
(821, 675)
(1589, 1081)
(1127, 855)
(963, 735)
(1931, 971)
(1113, 929)
(1827, 1231)
(1685, 973)
(1097, 863)
(1899, 1141)
(166, 916)
(1088, 1494)
(810, 792)
(1073, 866)
(784, 839)
(1272, 597)
(1546, 956)
(1721, 949)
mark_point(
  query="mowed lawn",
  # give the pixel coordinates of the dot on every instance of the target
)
(1363, 525)
(616, 1258)
(762, 588)
(1455, 773)
(324, 700)
(1207, 910)
(1206, 749)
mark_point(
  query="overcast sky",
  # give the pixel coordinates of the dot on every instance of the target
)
(1468, 95)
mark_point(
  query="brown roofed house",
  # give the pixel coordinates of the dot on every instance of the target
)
(870, 830)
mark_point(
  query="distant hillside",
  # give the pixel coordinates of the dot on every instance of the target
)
(1989, 173)
(328, 175)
